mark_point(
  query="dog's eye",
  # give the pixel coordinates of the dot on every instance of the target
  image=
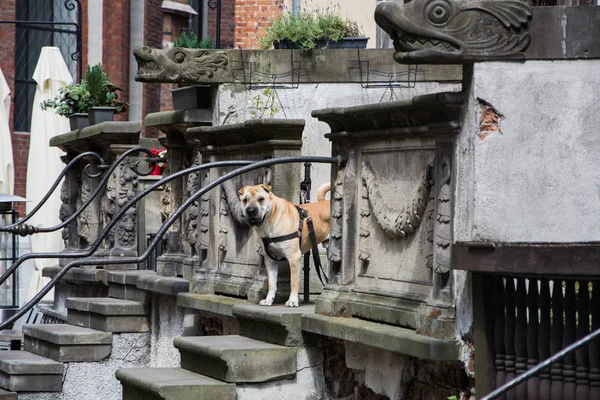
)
(244, 201)
(261, 199)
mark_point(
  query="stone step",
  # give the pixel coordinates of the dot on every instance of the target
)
(24, 371)
(171, 384)
(123, 285)
(4, 395)
(108, 314)
(236, 358)
(67, 343)
(276, 324)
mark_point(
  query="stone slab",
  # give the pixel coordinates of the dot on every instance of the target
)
(163, 284)
(220, 305)
(16, 362)
(107, 306)
(276, 324)
(4, 395)
(31, 383)
(65, 334)
(67, 353)
(127, 277)
(171, 384)
(127, 292)
(236, 358)
(107, 323)
(77, 274)
(99, 135)
(391, 338)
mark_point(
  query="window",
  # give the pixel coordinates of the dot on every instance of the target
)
(30, 38)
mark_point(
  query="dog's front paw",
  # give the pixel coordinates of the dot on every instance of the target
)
(266, 302)
(292, 302)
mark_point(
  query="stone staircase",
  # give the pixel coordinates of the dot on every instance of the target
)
(87, 337)
(269, 359)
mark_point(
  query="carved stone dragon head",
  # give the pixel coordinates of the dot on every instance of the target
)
(177, 64)
(448, 32)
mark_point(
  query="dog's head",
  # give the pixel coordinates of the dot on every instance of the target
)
(256, 203)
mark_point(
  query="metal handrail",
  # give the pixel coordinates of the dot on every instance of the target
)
(94, 246)
(24, 229)
(541, 366)
(12, 228)
(163, 229)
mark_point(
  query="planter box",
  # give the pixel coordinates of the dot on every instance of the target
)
(189, 97)
(101, 114)
(79, 121)
(345, 43)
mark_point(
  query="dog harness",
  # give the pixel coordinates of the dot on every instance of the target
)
(311, 233)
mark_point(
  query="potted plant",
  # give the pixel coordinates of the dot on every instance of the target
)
(191, 96)
(306, 30)
(71, 102)
(103, 98)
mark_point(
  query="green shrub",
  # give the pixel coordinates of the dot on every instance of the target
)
(190, 41)
(306, 29)
(72, 99)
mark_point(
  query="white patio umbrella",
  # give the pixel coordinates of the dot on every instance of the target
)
(6, 154)
(44, 164)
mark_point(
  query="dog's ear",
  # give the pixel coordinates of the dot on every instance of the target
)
(241, 191)
(266, 187)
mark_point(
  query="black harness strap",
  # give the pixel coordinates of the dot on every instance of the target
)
(313, 238)
(267, 241)
(315, 251)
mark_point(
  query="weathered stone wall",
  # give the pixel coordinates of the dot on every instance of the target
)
(527, 155)
(234, 104)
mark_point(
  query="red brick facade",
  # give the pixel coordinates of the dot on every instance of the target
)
(251, 19)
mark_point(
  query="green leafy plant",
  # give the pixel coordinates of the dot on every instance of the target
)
(263, 104)
(307, 29)
(95, 90)
(72, 99)
(102, 92)
(190, 41)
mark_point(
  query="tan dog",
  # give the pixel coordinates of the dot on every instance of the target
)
(273, 217)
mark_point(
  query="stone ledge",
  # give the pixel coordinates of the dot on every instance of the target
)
(19, 362)
(99, 135)
(76, 274)
(163, 284)
(178, 121)
(107, 306)
(276, 324)
(127, 277)
(391, 338)
(4, 395)
(65, 334)
(236, 358)
(212, 303)
(171, 384)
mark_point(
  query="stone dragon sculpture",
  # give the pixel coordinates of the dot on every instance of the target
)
(177, 64)
(445, 32)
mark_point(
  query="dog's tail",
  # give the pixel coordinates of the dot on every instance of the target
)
(323, 191)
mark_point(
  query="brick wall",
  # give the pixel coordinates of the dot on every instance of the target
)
(115, 46)
(227, 23)
(251, 19)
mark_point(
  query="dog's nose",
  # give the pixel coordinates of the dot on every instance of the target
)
(252, 211)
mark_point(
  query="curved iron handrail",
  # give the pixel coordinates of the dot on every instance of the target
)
(541, 366)
(25, 229)
(10, 228)
(163, 229)
(94, 246)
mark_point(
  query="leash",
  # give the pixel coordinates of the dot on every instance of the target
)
(313, 238)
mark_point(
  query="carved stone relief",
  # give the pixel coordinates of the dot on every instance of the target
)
(203, 218)
(191, 214)
(443, 237)
(128, 181)
(84, 220)
(177, 65)
(108, 208)
(337, 212)
(396, 223)
(66, 210)
(442, 31)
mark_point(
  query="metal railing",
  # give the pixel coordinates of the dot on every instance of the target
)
(81, 257)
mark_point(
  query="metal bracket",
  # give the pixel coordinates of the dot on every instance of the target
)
(296, 72)
(372, 78)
